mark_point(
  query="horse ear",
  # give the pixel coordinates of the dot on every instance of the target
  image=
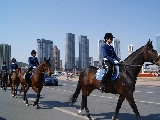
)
(148, 42)
(44, 58)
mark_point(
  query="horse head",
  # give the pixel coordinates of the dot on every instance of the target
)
(150, 54)
(46, 66)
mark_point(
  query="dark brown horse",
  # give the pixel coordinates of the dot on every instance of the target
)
(15, 80)
(36, 81)
(4, 80)
(124, 85)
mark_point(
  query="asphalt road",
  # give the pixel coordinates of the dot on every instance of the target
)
(54, 104)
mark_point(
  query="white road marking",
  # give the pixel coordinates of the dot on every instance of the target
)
(52, 88)
(58, 89)
(137, 91)
(109, 97)
(142, 101)
(74, 85)
(71, 113)
(93, 95)
(102, 96)
(150, 102)
(47, 87)
(64, 84)
(149, 92)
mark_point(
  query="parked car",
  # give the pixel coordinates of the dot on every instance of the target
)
(50, 80)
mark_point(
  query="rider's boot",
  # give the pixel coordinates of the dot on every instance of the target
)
(103, 81)
(27, 78)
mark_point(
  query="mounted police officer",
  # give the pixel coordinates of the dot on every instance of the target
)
(110, 59)
(13, 67)
(33, 63)
(3, 68)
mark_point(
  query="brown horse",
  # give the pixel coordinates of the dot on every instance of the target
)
(124, 85)
(36, 81)
(4, 80)
(15, 80)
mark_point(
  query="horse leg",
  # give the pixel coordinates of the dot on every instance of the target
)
(38, 96)
(16, 87)
(131, 101)
(1, 85)
(120, 101)
(24, 96)
(82, 107)
(84, 93)
(12, 89)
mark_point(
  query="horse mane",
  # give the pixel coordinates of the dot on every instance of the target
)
(93, 67)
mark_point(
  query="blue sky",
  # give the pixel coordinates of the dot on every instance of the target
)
(22, 22)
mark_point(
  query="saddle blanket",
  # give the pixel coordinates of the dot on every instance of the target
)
(100, 73)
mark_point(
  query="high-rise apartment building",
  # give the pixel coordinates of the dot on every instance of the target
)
(61, 65)
(83, 52)
(5, 54)
(56, 58)
(130, 49)
(158, 43)
(69, 52)
(90, 61)
(100, 44)
(45, 49)
(116, 45)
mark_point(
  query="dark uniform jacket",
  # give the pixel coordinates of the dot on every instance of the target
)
(33, 61)
(4, 67)
(13, 66)
(109, 53)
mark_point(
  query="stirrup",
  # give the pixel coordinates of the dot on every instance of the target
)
(102, 88)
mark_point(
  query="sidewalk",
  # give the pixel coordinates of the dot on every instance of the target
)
(141, 81)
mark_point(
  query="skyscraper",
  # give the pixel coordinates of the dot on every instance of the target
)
(90, 61)
(83, 52)
(158, 43)
(69, 52)
(5, 54)
(130, 49)
(116, 45)
(100, 43)
(56, 58)
(45, 49)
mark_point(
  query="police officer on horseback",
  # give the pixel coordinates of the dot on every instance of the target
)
(3, 68)
(110, 59)
(33, 63)
(13, 67)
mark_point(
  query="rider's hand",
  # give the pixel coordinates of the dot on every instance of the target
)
(34, 67)
(115, 62)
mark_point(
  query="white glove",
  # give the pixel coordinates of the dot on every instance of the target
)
(115, 62)
(34, 67)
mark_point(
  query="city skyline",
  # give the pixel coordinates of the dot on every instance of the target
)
(25, 21)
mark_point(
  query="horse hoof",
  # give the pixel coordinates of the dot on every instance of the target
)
(113, 118)
(15, 96)
(12, 95)
(37, 107)
(90, 118)
(27, 104)
(79, 112)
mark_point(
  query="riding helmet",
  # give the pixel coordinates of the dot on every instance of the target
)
(108, 35)
(33, 52)
(13, 60)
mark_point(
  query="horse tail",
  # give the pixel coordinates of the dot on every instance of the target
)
(75, 95)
